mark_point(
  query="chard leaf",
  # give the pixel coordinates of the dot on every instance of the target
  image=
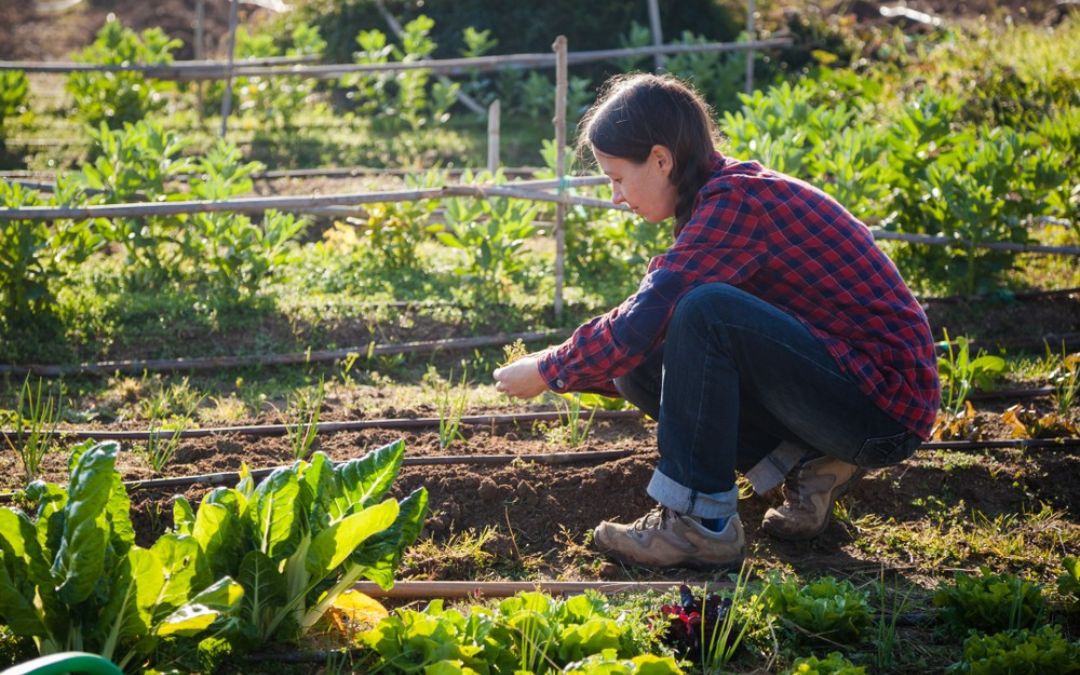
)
(118, 511)
(178, 555)
(183, 516)
(201, 611)
(273, 513)
(120, 618)
(16, 600)
(264, 590)
(217, 531)
(333, 545)
(361, 482)
(80, 556)
(380, 555)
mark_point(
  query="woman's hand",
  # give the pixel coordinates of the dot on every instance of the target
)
(520, 378)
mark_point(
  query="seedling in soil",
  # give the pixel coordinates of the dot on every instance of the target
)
(451, 403)
(33, 426)
(161, 446)
(572, 432)
(1066, 379)
(888, 614)
(961, 374)
(305, 408)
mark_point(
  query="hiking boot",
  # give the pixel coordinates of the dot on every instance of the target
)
(664, 538)
(809, 494)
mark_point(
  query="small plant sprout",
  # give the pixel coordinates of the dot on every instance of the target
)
(719, 646)
(451, 403)
(573, 430)
(889, 612)
(346, 367)
(1066, 381)
(962, 374)
(163, 443)
(33, 426)
(304, 408)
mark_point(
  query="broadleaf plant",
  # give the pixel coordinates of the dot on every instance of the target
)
(71, 577)
(304, 536)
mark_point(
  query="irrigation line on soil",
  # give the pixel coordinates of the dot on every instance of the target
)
(1022, 443)
(328, 427)
(502, 589)
(436, 460)
(319, 356)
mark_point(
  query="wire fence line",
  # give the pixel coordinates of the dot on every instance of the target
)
(216, 70)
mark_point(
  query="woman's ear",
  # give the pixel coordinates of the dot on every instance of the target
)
(663, 159)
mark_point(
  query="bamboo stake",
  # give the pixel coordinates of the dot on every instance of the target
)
(321, 356)
(226, 101)
(560, 169)
(501, 589)
(657, 33)
(181, 70)
(493, 123)
(327, 427)
(750, 52)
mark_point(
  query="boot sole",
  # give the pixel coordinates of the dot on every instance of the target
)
(806, 536)
(699, 567)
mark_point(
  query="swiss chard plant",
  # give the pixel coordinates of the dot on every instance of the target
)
(303, 536)
(71, 577)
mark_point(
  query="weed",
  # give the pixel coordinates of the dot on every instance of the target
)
(162, 445)
(1066, 381)
(451, 403)
(888, 615)
(304, 408)
(34, 425)
(514, 351)
(346, 368)
(572, 431)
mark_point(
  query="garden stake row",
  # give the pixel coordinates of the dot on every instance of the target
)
(227, 477)
(330, 427)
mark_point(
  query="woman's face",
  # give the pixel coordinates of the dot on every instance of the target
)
(645, 187)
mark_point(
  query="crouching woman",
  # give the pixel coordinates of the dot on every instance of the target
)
(772, 338)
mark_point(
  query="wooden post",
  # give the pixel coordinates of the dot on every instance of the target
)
(657, 33)
(560, 168)
(200, 27)
(750, 52)
(494, 112)
(226, 101)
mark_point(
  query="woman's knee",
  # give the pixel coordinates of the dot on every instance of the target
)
(710, 302)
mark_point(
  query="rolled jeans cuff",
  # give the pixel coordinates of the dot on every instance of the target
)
(775, 466)
(682, 499)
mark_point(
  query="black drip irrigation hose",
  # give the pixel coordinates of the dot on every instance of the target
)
(327, 427)
(1022, 443)
(435, 460)
(310, 356)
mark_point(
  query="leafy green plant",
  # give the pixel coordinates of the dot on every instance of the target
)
(1069, 581)
(34, 257)
(833, 664)
(609, 663)
(451, 402)
(71, 578)
(277, 101)
(14, 106)
(33, 426)
(825, 608)
(530, 632)
(303, 536)
(305, 408)
(1023, 652)
(990, 602)
(1066, 380)
(960, 373)
(116, 98)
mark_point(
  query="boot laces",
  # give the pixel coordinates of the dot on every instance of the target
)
(654, 519)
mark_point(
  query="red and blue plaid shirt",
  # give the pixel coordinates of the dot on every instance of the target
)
(795, 247)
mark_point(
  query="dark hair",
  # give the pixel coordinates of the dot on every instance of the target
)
(635, 112)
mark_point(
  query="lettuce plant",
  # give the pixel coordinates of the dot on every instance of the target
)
(71, 577)
(303, 536)
(828, 608)
(833, 664)
(990, 602)
(1023, 652)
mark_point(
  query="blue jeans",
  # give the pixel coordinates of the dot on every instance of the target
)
(739, 384)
